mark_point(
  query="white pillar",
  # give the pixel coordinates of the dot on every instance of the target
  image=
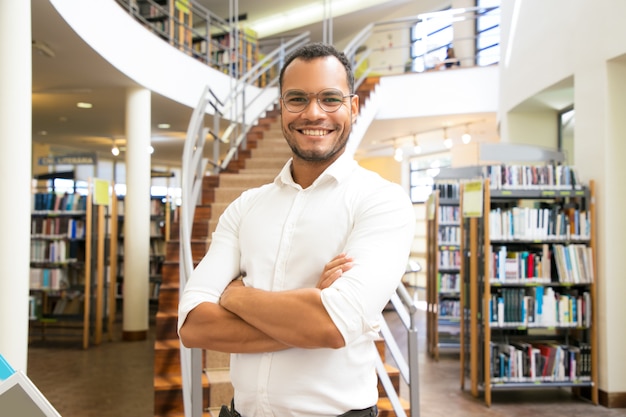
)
(137, 216)
(15, 176)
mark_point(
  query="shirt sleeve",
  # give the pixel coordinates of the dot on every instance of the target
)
(218, 267)
(380, 243)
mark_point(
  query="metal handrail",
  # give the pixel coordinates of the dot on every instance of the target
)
(358, 50)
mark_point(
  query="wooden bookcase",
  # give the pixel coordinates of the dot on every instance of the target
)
(528, 285)
(160, 220)
(444, 267)
(68, 287)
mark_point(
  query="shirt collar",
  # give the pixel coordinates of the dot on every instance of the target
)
(338, 170)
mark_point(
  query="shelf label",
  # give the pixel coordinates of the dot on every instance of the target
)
(101, 192)
(473, 199)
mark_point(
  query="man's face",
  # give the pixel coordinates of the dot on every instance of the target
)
(314, 134)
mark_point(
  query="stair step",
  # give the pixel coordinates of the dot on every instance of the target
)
(227, 194)
(167, 357)
(168, 297)
(166, 325)
(168, 393)
(276, 163)
(199, 229)
(170, 273)
(221, 390)
(217, 360)
(385, 409)
(394, 376)
(198, 249)
(247, 179)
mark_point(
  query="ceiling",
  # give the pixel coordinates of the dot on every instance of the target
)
(76, 73)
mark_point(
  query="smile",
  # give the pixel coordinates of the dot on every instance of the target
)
(315, 132)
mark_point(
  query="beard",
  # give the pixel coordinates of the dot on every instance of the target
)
(328, 153)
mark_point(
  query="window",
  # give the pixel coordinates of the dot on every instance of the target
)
(430, 38)
(423, 170)
(488, 32)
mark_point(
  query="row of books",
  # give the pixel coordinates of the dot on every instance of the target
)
(71, 202)
(48, 278)
(449, 235)
(58, 227)
(574, 263)
(447, 189)
(69, 305)
(53, 251)
(449, 282)
(449, 259)
(520, 266)
(539, 306)
(527, 224)
(540, 362)
(529, 177)
(449, 215)
(450, 308)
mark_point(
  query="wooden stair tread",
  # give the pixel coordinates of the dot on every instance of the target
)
(385, 409)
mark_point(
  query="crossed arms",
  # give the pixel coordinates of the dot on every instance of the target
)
(250, 320)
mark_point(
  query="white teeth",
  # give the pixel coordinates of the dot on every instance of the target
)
(314, 132)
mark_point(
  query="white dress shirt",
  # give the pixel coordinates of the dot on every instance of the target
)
(281, 236)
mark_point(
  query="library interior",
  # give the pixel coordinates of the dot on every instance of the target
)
(139, 122)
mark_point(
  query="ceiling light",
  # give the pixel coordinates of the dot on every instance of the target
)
(466, 137)
(115, 150)
(150, 149)
(398, 155)
(446, 140)
(83, 105)
(416, 146)
(163, 125)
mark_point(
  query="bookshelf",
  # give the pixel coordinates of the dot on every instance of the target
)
(160, 218)
(444, 266)
(245, 55)
(67, 277)
(528, 282)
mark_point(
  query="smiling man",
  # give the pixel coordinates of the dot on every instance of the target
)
(299, 270)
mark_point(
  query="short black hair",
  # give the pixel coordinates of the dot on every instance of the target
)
(314, 50)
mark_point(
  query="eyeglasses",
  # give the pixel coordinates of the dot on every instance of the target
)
(329, 100)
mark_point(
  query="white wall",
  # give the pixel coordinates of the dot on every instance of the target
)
(472, 90)
(544, 43)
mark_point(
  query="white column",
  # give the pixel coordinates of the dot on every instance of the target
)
(137, 216)
(15, 176)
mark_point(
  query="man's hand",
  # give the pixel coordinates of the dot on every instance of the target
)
(333, 270)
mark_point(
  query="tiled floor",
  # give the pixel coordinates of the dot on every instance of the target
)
(115, 379)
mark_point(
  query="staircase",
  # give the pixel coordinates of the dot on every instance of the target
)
(267, 153)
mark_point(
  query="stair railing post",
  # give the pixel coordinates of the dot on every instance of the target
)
(193, 168)
(414, 391)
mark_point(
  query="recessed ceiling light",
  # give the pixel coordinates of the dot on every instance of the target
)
(83, 105)
(163, 125)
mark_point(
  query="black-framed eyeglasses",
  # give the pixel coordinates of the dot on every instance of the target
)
(329, 100)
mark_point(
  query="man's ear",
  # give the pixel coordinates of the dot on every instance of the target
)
(355, 107)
